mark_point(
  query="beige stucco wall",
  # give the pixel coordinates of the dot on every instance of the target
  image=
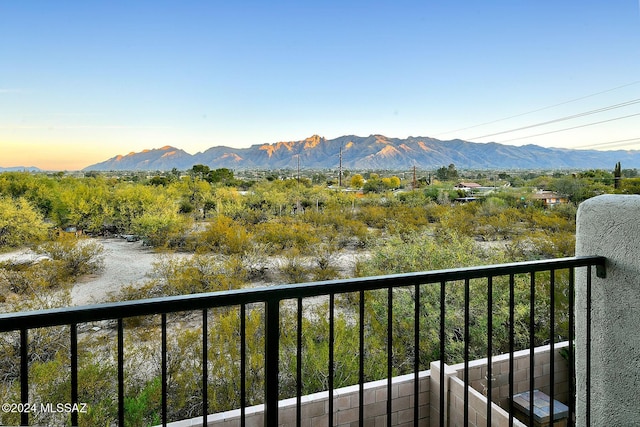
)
(609, 226)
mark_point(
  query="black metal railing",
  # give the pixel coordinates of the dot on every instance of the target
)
(272, 297)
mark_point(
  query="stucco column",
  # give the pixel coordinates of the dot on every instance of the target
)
(609, 226)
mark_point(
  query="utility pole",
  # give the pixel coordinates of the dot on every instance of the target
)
(414, 178)
(297, 208)
(340, 169)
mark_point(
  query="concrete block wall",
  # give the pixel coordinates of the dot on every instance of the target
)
(521, 377)
(454, 385)
(315, 407)
(477, 408)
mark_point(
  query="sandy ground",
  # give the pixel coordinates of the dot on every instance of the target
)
(127, 263)
(124, 263)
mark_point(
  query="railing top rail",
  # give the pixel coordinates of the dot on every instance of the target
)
(117, 310)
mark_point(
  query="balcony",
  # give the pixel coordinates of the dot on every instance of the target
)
(470, 391)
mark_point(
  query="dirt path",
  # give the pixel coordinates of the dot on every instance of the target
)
(127, 263)
(124, 263)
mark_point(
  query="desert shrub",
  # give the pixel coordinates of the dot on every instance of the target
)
(324, 261)
(227, 368)
(492, 206)
(540, 244)
(333, 225)
(77, 257)
(458, 219)
(98, 390)
(256, 261)
(421, 252)
(160, 229)
(20, 223)
(433, 212)
(497, 224)
(63, 261)
(293, 267)
(315, 351)
(287, 234)
(223, 235)
(553, 220)
(32, 280)
(198, 273)
(566, 211)
(142, 408)
(136, 291)
(184, 371)
(373, 216)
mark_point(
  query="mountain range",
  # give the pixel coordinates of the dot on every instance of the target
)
(20, 169)
(372, 152)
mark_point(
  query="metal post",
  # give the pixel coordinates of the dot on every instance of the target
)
(24, 374)
(272, 361)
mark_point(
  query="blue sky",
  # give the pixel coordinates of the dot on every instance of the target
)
(82, 81)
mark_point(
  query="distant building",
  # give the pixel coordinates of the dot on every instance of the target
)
(549, 198)
(467, 186)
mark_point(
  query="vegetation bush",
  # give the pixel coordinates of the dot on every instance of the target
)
(421, 252)
(44, 282)
(293, 267)
(284, 234)
(20, 223)
(198, 273)
(222, 235)
(76, 257)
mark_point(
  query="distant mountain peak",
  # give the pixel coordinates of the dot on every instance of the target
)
(312, 141)
(372, 152)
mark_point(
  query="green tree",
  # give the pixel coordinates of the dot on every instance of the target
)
(20, 223)
(357, 181)
(220, 175)
(447, 173)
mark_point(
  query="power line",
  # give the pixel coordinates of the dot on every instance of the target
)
(574, 116)
(540, 109)
(574, 127)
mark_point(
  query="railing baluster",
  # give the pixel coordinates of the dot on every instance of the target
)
(73, 332)
(467, 337)
(532, 337)
(512, 317)
(163, 320)
(120, 373)
(243, 365)
(361, 361)
(442, 349)
(205, 363)
(489, 346)
(331, 356)
(552, 333)
(572, 355)
(24, 374)
(416, 356)
(389, 352)
(299, 365)
(272, 361)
